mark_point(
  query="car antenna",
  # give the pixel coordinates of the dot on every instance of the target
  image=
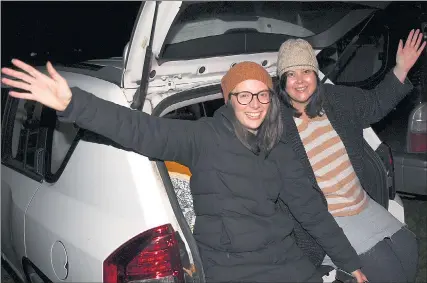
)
(352, 42)
(141, 93)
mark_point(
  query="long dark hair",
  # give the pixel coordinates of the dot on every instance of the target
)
(268, 134)
(314, 107)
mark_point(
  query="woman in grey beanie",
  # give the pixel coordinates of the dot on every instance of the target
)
(325, 123)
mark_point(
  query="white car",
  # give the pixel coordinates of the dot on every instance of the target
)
(75, 207)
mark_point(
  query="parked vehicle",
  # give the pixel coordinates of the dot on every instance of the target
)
(364, 62)
(78, 208)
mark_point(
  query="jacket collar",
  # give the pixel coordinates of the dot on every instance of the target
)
(225, 116)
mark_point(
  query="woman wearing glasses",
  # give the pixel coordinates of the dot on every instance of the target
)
(242, 233)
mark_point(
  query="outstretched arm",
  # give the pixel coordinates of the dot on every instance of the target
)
(155, 137)
(373, 105)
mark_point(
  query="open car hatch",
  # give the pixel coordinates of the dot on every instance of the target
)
(191, 44)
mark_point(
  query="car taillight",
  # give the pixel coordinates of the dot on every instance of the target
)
(418, 142)
(152, 256)
(417, 129)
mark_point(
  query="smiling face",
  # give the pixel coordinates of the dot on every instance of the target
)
(253, 114)
(300, 86)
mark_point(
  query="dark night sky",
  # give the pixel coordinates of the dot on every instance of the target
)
(101, 28)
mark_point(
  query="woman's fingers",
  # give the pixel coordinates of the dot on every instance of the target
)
(27, 68)
(409, 39)
(421, 48)
(53, 73)
(415, 37)
(32, 71)
(19, 75)
(22, 95)
(360, 277)
(417, 44)
(400, 46)
(16, 84)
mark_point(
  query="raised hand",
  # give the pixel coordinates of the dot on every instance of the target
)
(408, 54)
(51, 91)
(360, 277)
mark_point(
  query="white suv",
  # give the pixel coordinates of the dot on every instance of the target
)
(77, 207)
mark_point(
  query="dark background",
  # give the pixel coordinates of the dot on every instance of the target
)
(65, 32)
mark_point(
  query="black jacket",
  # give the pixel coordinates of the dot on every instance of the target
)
(349, 110)
(241, 232)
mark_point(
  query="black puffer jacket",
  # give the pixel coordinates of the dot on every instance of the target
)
(241, 233)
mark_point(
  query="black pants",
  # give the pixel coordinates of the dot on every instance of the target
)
(278, 262)
(393, 259)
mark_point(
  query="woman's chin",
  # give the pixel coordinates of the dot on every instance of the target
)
(252, 127)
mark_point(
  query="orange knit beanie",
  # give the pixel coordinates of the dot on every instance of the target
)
(241, 72)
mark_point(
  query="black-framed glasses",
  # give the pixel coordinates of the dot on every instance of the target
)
(246, 97)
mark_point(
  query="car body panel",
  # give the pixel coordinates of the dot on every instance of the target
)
(411, 173)
(16, 194)
(107, 200)
(397, 209)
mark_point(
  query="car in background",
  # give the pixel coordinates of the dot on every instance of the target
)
(76, 207)
(364, 56)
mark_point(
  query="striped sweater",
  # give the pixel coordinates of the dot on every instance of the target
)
(331, 166)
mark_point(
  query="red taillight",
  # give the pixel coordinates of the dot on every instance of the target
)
(417, 129)
(418, 142)
(153, 254)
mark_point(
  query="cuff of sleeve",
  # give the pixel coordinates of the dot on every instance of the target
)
(67, 111)
(352, 265)
(404, 87)
(70, 113)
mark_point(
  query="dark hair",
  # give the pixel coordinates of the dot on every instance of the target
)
(314, 107)
(269, 132)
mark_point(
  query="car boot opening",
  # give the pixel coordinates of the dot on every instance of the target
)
(176, 177)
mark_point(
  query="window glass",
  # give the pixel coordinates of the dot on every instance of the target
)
(359, 62)
(196, 111)
(25, 133)
(190, 112)
(36, 130)
(62, 140)
(233, 27)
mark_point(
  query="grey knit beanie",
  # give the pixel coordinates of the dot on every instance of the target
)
(296, 54)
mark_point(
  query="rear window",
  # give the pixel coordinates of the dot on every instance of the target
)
(227, 28)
